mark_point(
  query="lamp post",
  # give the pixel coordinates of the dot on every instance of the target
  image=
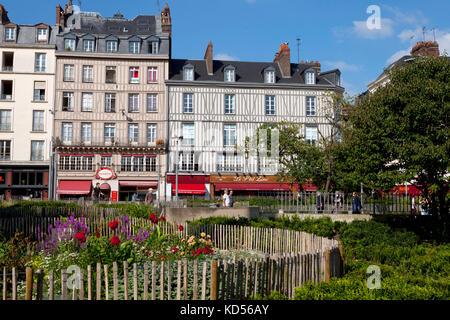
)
(178, 139)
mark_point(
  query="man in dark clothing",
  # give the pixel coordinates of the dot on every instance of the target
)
(319, 202)
(356, 205)
(97, 193)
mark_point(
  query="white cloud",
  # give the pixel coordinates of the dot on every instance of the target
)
(361, 30)
(225, 57)
(342, 65)
(402, 17)
(398, 55)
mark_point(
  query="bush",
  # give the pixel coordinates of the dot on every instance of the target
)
(45, 204)
(130, 209)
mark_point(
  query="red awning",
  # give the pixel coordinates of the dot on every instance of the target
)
(74, 187)
(253, 186)
(189, 188)
(139, 183)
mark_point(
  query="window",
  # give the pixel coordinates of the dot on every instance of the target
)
(188, 134)
(229, 104)
(86, 102)
(270, 105)
(133, 132)
(69, 44)
(38, 120)
(106, 161)
(229, 162)
(152, 74)
(5, 150)
(111, 46)
(88, 73)
(110, 102)
(187, 161)
(134, 74)
(153, 47)
(8, 61)
(37, 150)
(134, 47)
(152, 103)
(269, 76)
(7, 90)
(138, 163)
(133, 102)
(39, 91)
(10, 34)
(67, 132)
(187, 103)
(88, 45)
(110, 129)
(229, 135)
(311, 135)
(40, 61)
(42, 34)
(86, 132)
(5, 120)
(310, 106)
(188, 74)
(310, 77)
(151, 132)
(69, 72)
(110, 74)
(68, 98)
(229, 75)
(76, 163)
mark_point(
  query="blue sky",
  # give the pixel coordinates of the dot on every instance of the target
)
(333, 32)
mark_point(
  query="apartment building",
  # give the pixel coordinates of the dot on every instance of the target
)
(27, 83)
(110, 114)
(215, 107)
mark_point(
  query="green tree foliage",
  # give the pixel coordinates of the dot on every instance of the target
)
(400, 132)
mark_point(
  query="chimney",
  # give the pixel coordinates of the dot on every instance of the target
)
(3, 15)
(426, 49)
(283, 58)
(209, 58)
(58, 15)
(166, 20)
(314, 65)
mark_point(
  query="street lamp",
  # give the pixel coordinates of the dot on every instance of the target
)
(178, 139)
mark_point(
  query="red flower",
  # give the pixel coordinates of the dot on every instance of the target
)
(180, 227)
(114, 224)
(162, 218)
(152, 216)
(97, 234)
(207, 250)
(81, 237)
(163, 257)
(199, 251)
(155, 220)
(174, 249)
(115, 241)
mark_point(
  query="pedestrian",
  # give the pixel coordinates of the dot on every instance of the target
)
(356, 204)
(230, 196)
(149, 197)
(226, 198)
(424, 205)
(413, 205)
(319, 202)
(338, 200)
(96, 193)
(134, 197)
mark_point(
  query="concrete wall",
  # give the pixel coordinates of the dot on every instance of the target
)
(334, 217)
(181, 215)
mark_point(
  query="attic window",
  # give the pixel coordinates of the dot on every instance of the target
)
(42, 34)
(188, 73)
(269, 76)
(310, 77)
(10, 34)
(153, 47)
(230, 74)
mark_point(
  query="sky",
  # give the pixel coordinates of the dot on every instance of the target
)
(335, 33)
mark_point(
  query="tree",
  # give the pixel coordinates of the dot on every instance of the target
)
(400, 132)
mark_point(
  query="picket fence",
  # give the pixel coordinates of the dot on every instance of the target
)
(280, 260)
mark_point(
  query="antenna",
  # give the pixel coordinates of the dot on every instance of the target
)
(434, 34)
(158, 6)
(298, 50)
(423, 31)
(410, 40)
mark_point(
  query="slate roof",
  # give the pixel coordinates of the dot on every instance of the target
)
(247, 72)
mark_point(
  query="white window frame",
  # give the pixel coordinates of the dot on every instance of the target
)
(230, 75)
(133, 132)
(152, 102)
(308, 134)
(188, 131)
(310, 77)
(86, 132)
(230, 105)
(10, 36)
(153, 71)
(188, 74)
(40, 62)
(38, 122)
(134, 47)
(109, 98)
(269, 76)
(88, 45)
(42, 36)
(69, 72)
(229, 135)
(133, 102)
(69, 44)
(67, 132)
(310, 103)
(269, 105)
(133, 78)
(188, 103)
(151, 132)
(70, 96)
(5, 121)
(109, 131)
(37, 150)
(88, 73)
(111, 46)
(87, 101)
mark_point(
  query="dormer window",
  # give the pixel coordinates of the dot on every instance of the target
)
(111, 46)
(69, 44)
(154, 47)
(135, 47)
(88, 45)
(269, 75)
(42, 34)
(188, 73)
(310, 77)
(10, 34)
(229, 74)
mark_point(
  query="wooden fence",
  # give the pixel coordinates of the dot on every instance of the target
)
(286, 259)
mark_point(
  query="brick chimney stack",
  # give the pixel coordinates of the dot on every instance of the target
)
(209, 58)
(283, 58)
(426, 49)
(3, 15)
(314, 64)
(166, 20)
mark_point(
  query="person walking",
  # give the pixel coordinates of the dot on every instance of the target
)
(134, 197)
(97, 193)
(414, 206)
(319, 202)
(356, 204)
(149, 197)
(226, 199)
(424, 205)
(230, 196)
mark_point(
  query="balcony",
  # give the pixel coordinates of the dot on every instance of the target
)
(6, 97)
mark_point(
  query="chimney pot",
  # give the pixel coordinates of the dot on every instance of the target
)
(209, 58)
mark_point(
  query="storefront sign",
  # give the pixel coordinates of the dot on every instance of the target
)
(188, 179)
(105, 174)
(244, 179)
(114, 196)
(3, 178)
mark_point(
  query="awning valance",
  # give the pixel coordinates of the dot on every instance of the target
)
(74, 187)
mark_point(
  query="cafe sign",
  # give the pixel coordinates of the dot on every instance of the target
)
(105, 174)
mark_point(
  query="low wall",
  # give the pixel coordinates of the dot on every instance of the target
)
(181, 215)
(334, 217)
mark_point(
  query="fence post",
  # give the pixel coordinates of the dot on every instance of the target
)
(214, 280)
(327, 266)
(341, 260)
(39, 284)
(29, 284)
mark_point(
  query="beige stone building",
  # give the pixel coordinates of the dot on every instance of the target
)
(110, 114)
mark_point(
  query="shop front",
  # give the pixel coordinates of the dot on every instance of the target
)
(189, 186)
(24, 183)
